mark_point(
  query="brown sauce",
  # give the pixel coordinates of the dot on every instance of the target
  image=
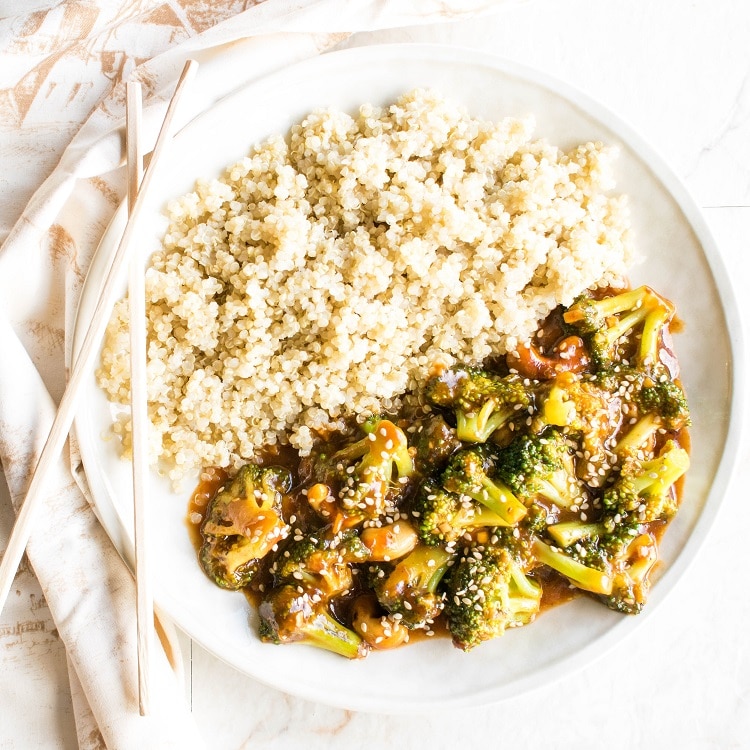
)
(212, 478)
(676, 325)
(556, 590)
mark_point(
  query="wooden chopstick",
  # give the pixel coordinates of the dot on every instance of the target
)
(139, 411)
(83, 365)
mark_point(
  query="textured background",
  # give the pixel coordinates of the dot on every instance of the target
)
(679, 72)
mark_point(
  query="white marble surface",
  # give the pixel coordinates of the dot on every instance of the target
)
(679, 72)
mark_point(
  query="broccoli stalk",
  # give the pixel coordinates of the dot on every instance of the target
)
(558, 408)
(486, 592)
(288, 616)
(567, 533)
(409, 590)
(632, 443)
(243, 524)
(606, 321)
(581, 575)
(482, 402)
(467, 475)
(656, 476)
(477, 425)
(376, 480)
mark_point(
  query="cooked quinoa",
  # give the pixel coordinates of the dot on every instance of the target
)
(324, 274)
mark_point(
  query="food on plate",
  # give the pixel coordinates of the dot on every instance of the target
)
(411, 523)
(401, 348)
(243, 525)
(324, 274)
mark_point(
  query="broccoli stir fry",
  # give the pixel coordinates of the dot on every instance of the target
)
(498, 490)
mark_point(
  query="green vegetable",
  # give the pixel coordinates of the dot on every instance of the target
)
(543, 465)
(243, 524)
(378, 480)
(487, 592)
(288, 616)
(321, 561)
(468, 475)
(444, 517)
(482, 402)
(408, 590)
(605, 323)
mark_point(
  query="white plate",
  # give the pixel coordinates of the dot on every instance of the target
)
(681, 261)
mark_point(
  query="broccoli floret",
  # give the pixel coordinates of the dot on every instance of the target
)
(612, 564)
(468, 475)
(641, 494)
(327, 466)
(540, 465)
(518, 539)
(644, 488)
(243, 523)
(582, 408)
(584, 563)
(613, 556)
(481, 401)
(230, 562)
(321, 561)
(605, 322)
(444, 516)
(487, 591)
(379, 478)
(626, 556)
(288, 616)
(409, 590)
(631, 563)
(665, 399)
(606, 531)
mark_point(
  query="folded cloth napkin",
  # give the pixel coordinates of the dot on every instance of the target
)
(44, 260)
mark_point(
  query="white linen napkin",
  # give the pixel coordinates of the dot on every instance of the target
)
(43, 262)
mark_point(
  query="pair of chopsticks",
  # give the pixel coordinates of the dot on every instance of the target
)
(83, 367)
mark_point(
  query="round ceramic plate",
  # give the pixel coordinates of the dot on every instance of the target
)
(680, 261)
